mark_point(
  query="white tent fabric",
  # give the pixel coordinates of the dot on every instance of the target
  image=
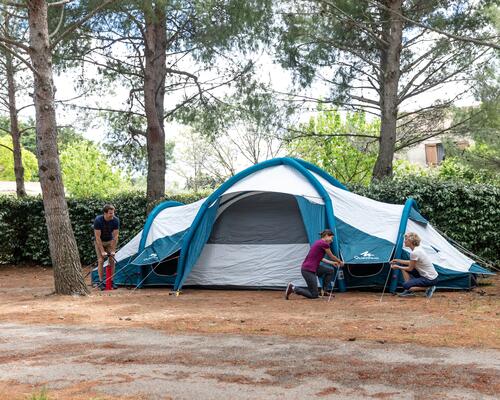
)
(280, 179)
(129, 249)
(370, 216)
(249, 265)
(173, 220)
(439, 250)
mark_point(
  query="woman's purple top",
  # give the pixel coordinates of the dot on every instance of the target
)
(315, 255)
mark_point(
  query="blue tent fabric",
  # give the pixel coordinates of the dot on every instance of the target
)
(410, 205)
(126, 273)
(358, 247)
(160, 249)
(414, 215)
(313, 216)
(477, 269)
(198, 241)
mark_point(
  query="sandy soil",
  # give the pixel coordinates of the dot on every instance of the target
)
(244, 344)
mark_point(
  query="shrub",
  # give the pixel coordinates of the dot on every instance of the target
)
(23, 235)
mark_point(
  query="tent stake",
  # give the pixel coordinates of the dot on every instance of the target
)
(333, 284)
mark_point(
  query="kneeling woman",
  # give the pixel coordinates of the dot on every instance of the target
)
(418, 271)
(311, 268)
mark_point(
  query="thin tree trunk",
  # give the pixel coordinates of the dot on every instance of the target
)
(154, 94)
(14, 129)
(393, 33)
(14, 122)
(68, 278)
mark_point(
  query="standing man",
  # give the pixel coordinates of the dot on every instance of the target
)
(418, 271)
(311, 268)
(106, 229)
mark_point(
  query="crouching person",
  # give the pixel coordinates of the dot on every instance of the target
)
(418, 271)
(311, 268)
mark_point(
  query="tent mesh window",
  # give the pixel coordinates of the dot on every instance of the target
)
(167, 267)
(364, 270)
(263, 218)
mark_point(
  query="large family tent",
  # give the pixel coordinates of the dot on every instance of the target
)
(255, 230)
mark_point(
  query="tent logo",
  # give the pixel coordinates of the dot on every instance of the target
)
(366, 255)
(151, 256)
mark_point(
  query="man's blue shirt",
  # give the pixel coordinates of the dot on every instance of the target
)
(106, 227)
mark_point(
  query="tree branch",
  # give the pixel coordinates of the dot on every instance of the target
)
(434, 134)
(480, 42)
(7, 147)
(326, 135)
(61, 19)
(14, 54)
(58, 3)
(105, 109)
(80, 22)
(136, 132)
(14, 43)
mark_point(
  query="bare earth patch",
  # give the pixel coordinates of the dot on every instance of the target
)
(145, 344)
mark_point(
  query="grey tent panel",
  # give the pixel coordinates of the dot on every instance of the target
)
(263, 218)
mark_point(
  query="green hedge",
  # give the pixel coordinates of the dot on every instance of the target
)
(23, 235)
(470, 214)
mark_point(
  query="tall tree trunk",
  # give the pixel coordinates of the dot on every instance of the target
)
(389, 65)
(68, 278)
(154, 94)
(14, 128)
(14, 122)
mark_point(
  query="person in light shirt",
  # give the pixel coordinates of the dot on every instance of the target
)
(418, 271)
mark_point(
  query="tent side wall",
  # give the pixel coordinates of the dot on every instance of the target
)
(145, 271)
(151, 217)
(448, 278)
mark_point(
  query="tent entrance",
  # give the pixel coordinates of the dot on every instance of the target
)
(258, 240)
(260, 218)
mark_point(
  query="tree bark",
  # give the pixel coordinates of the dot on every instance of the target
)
(154, 94)
(68, 278)
(389, 81)
(14, 126)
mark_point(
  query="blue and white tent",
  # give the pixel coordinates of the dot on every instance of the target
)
(255, 230)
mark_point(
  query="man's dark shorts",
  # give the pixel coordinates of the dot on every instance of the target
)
(107, 248)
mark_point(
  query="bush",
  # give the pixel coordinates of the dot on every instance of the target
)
(470, 214)
(23, 234)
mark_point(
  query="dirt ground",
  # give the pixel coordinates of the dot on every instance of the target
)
(146, 344)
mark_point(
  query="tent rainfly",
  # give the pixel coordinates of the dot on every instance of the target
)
(255, 230)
